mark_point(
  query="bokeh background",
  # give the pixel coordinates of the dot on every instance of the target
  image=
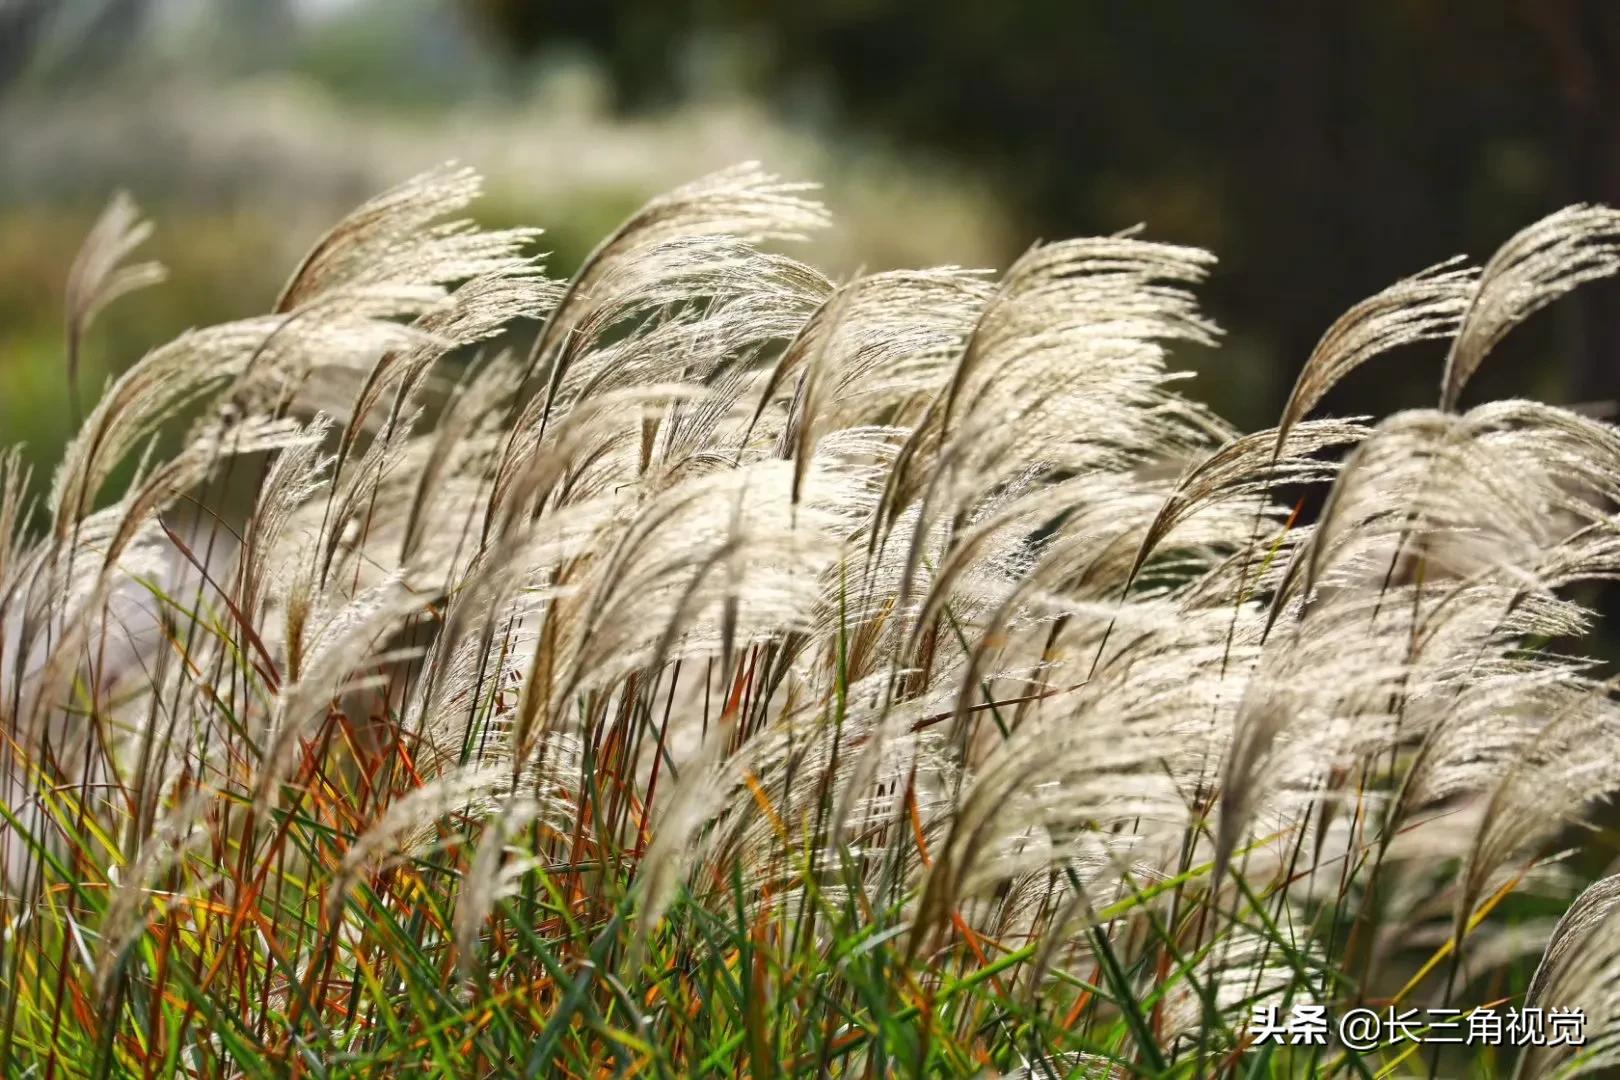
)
(1322, 148)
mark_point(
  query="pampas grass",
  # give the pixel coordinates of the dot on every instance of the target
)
(762, 673)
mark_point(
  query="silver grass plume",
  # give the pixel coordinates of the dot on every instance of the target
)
(921, 597)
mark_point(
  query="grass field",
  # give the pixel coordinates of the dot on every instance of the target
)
(764, 674)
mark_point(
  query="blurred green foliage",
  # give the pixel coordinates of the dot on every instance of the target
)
(213, 276)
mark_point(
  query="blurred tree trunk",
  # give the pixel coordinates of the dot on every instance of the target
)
(1582, 40)
(66, 39)
(22, 22)
(111, 32)
(252, 35)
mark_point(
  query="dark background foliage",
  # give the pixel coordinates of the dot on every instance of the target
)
(1321, 147)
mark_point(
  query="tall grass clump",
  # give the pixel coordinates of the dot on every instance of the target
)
(770, 675)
